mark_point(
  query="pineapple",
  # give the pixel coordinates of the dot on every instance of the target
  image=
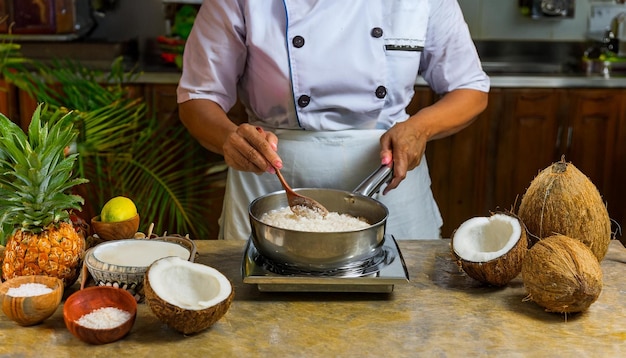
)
(35, 176)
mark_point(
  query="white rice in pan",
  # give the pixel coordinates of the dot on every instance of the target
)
(312, 221)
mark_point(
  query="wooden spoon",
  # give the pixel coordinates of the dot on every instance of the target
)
(300, 203)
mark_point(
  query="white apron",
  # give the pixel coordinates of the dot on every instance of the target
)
(340, 160)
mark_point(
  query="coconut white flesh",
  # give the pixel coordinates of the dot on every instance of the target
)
(483, 239)
(188, 285)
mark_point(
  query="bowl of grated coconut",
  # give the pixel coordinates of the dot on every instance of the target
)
(100, 314)
(29, 300)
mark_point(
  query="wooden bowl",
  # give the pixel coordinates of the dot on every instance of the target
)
(115, 230)
(31, 310)
(88, 300)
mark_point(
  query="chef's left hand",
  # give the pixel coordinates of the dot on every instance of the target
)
(403, 145)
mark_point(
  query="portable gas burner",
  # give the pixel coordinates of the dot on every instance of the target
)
(378, 273)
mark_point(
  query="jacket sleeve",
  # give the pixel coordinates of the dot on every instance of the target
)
(215, 54)
(450, 60)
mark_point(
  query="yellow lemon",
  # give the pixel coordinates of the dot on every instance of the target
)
(119, 208)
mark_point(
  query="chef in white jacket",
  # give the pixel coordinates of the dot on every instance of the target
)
(329, 81)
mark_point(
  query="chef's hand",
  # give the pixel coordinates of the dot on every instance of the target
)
(404, 143)
(402, 146)
(251, 149)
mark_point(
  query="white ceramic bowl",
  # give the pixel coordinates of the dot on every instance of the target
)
(123, 263)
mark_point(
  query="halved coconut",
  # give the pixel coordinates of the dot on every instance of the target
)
(490, 249)
(562, 274)
(188, 297)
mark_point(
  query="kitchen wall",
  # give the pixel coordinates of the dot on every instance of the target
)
(136, 19)
(487, 19)
(502, 20)
(141, 20)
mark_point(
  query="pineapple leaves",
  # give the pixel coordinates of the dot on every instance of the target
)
(13, 138)
(36, 173)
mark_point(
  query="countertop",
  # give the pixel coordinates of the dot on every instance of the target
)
(440, 312)
(499, 80)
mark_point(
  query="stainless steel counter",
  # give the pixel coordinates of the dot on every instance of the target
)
(497, 81)
(557, 81)
(439, 313)
(502, 80)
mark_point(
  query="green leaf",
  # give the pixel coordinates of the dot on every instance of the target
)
(122, 148)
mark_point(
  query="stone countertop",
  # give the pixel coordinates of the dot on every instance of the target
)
(441, 312)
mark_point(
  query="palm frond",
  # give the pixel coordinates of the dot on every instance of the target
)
(123, 150)
(147, 170)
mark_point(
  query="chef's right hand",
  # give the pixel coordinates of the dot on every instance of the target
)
(252, 149)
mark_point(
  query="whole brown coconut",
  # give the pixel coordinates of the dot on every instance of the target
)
(562, 275)
(490, 249)
(188, 297)
(562, 200)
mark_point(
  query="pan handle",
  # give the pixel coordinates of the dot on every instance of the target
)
(374, 181)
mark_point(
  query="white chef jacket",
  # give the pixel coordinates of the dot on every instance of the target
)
(311, 68)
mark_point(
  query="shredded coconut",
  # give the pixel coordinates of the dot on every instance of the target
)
(29, 289)
(313, 221)
(104, 318)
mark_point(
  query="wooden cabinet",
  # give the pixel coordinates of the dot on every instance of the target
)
(489, 165)
(459, 166)
(525, 132)
(590, 132)
(593, 140)
(617, 192)
(161, 99)
(8, 101)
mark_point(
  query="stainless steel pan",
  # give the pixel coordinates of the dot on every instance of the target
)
(324, 250)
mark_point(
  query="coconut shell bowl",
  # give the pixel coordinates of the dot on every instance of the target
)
(118, 230)
(100, 314)
(27, 302)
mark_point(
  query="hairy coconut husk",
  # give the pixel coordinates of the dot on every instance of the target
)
(497, 271)
(562, 275)
(563, 200)
(186, 321)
